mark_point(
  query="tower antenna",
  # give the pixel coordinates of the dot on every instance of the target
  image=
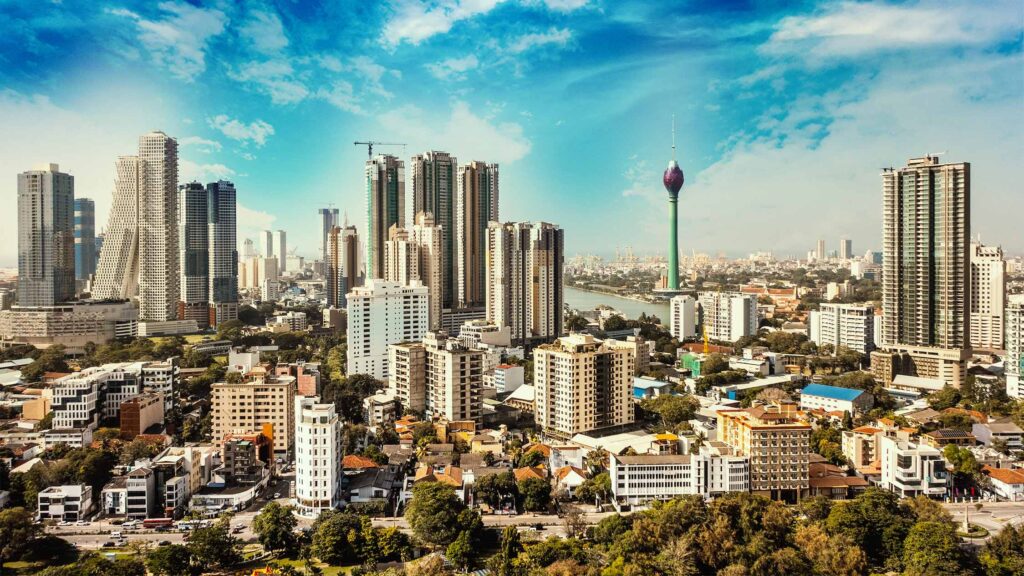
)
(673, 136)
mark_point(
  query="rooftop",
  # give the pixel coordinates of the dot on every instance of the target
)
(834, 392)
(654, 459)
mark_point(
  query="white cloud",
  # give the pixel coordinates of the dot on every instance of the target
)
(251, 222)
(557, 36)
(256, 132)
(275, 78)
(265, 32)
(463, 133)
(189, 171)
(453, 68)
(178, 41)
(341, 95)
(414, 21)
(565, 5)
(639, 177)
(849, 29)
(202, 144)
(372, 74)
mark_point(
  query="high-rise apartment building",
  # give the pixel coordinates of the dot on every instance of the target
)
(267, 243)
(728, 316)
(318, 454)
(439, 375)
(582, 384)
(476, 206)
(926, 230)
(401, 257)
(46, 242)
(344, 265)
(524, 279)
(259, 277)
(261, 403)
(1013, 364)
(433, 192)
(819, 252)
(248, 249)
(140, 254)
(281, 250)
(382, 313)
(85, 238)
(988, 296)
(328, 220)
(385, 207)
(683, 317)
(416, 254)
(848, 325)
(777, 442)
(195, 253)
(223, 243)
(845, 248)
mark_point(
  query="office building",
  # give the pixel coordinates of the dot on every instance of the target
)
(281, 250)
(46, 243)
(139, 413)
(728, 316)
(380, 314)
(195, 254)
(819, 252)
(85, 238)
(638, 480)
(328, 220)
(223, 266)
(988, 296)
(683, 317)
(71, 324)
(845, 249)
(848, 325)
(83, 399)
(69, 503)
(1013, 364)
(476, 205)
(524, 279)
(439, 375)
(434, 193)
(140, 253)
(247, 459)
(318, 454)
(385, 207)
(777, 441)
(911, 469)
(248, 249)
(267, 243)
(926, 230)
(261, 403)
(582, 384)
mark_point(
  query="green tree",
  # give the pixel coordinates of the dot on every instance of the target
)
(214, 546)
(933, 548)
(17, 531)
(948, 397)
(173, 560)
(504, 562)
(137, 449)
(714, 364)
(964, 462)
(672, 410)
(496, 488)
(335, 538)
(460, 552)
(433, 513)
(536, 494)
(1003, 554)
(50, 360)
(275, 527)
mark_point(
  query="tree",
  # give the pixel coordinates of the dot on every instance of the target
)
(173, 560)
(714, 364)
(574, 521)
(933, 548)
(335, 538)
(17, 531)
(924, 509)
(275, 527)
(1003, 554)
(964, 462)
(496, 488)
(137, 449)
(50, 360)
(948, 397)
(460, 552)
(433, 513)
(673, 410)
(614, 322)
(536, 494)
(575, 323)
(836, 555)
(504, 562)
(595, 489)
(214, 546)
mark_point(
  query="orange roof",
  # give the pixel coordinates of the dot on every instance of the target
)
(871, 469)
(1004, 475)
(542, 448)
(837, 481)
(974, 414)
(564, 471)
(887, 421)
(530, 472)
(451, 475)
(867, 430)
(357, 461)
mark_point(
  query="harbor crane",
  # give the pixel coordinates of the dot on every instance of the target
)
(370, 144)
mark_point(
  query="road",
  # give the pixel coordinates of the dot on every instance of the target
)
(993, 516)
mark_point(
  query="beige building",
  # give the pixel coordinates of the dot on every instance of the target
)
(408, 362)
(416, 254)
(583, 384)
(777, 442)
(988, 296)
(860, 445)
(249, 406)
(439, 376)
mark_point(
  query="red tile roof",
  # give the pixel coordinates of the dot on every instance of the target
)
(356, 461)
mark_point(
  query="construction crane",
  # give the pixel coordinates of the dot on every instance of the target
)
(370, 144)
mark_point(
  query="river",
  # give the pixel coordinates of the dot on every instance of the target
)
(584, 300)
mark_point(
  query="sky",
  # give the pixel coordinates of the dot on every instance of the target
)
(785, 111)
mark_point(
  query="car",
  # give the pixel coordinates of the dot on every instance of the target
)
(65, 523)
(81, 523)
(162, 528)
(237, 529)
(164, 543)
(277, 495)
(109, 544)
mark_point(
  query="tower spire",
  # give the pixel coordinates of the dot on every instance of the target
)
(673, 136)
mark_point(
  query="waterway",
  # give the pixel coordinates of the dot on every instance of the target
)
(586, 300)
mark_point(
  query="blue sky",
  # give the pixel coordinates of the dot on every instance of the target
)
(785, 111)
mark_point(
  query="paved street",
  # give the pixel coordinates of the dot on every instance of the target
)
(993, 516)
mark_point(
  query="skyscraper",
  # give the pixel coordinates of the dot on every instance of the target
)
(267, 243)
(140, 255)
(988, 296)
(476, 205)
(401, 257)
(385, 206)
(819, 251)
(248, 249)
(195, 254)
(926, 269)
(223, 267)
(380, 314)
(85, 238)
(46, 244)
(328, 220)
(433, 191)
(1014, 361)
(343, 267)
(845, 249)
(524, 279)
(281, 250)
(416, 254)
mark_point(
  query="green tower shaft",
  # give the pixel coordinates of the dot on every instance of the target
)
(673, 246)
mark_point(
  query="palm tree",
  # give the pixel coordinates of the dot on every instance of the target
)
(597, 459)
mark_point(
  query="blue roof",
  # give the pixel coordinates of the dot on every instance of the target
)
(833, 392)
(644, 383)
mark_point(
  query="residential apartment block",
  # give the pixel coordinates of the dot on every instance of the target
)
(988, 296)
(439, 375)
(261, 404)
(317, 457)
(848, 325)
(380, 314)
(683, 317)
(776, 440)
(638, 480)
(728, 316)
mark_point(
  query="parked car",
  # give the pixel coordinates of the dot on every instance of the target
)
(164, 543)
(109, 544)
(277, 495)
(82, 523)
(65, 523)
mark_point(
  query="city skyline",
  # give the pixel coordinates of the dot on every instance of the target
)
(290, 103)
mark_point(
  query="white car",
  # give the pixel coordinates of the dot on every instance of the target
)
(82, 523)
(65, 523)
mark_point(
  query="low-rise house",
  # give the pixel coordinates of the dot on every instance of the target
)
(114, 497)
(354, 464)
(945, 436)
(1006, 483)
(834, 398)
(644, 388)
(69, 503)
(369, 485)
(569, 478)
(832, 482)
(529, 472)
(72, 437)
(1007, 432)
(482, 443)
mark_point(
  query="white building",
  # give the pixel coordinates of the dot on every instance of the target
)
(82, 399)
(683, 317)
(508, 377)
(639, 480)
(835, 399)
(281, 250)
(1005, 431)
(912, 469)
(317, 457)
(382, 313)
(988, 296)
(65, 503)
(290, 320)
(728, 316)
(846, 325)
(1014, 361)
(524, 279)
(415, 254)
